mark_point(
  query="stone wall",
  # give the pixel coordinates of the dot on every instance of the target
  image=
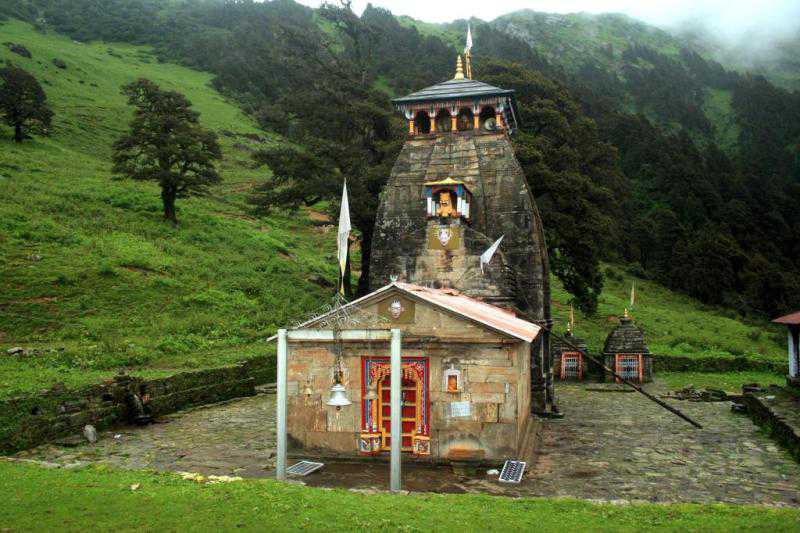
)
(32, 420)
(495, 382)
(776, 412)
(502, 205)
(678, 363)
(683, 363)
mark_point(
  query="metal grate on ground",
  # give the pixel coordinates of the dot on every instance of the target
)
(304, 468)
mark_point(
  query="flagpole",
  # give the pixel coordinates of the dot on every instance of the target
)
(343, 237)
(468, 53)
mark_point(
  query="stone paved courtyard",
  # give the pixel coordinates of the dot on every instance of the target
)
(610, 446)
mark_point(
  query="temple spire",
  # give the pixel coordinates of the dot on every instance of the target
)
(468, 53)
(459, 69)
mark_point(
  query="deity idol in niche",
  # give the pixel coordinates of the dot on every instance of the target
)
(446, 208)
(448, 198)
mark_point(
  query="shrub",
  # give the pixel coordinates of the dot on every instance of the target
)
(19, 50)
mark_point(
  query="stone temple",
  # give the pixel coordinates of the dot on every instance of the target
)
(455, 189)
(459, 269)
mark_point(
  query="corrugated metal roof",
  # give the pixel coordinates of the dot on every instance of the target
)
(452, 90)
(489, 315)
(792, 319)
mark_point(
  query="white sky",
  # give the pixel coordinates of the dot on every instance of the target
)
(729, 18)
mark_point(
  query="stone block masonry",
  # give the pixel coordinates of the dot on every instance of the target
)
(776, 411)
(28, 421)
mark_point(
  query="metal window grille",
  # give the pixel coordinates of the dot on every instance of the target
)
(571, 366)
(629, 367)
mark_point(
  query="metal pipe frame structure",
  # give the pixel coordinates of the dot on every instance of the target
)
(394, 336)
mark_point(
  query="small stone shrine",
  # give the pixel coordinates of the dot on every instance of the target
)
(465, 379)
(627, 354)
(569, 363)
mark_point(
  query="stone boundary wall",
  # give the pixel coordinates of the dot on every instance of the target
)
(771, 418)
(29, 421)
(682, 363)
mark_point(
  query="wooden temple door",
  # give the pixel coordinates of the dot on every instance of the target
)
(376, 406)
(410, 400)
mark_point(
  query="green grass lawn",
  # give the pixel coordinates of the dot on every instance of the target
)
(727, 381)
(37, 499)
(89, 269)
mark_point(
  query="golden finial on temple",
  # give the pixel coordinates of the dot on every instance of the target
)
(459, 69)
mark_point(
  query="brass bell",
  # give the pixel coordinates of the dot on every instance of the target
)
(338, 397)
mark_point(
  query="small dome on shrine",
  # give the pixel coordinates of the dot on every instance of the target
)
(568, 344)
(626, 338)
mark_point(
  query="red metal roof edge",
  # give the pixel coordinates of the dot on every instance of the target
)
(489, 315)
(792, 319)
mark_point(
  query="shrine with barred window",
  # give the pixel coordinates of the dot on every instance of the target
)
(626, 353)
(570, 362)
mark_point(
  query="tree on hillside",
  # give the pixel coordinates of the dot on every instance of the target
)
(23, 103)
(166, 144)
(340, 125)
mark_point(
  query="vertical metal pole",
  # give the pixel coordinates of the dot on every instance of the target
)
(397, 410)
(283, 349)
(796, 334)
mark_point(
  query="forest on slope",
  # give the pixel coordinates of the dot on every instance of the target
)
(644, 152)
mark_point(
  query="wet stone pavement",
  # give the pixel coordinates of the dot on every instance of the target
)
(230, 438)
(610, 446)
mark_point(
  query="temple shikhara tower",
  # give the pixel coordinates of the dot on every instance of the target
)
(459, 270)
(455, 189)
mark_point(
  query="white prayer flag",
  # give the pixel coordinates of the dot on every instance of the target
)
(469, 40)
(633, 294)
(486, 256)
(343, 235)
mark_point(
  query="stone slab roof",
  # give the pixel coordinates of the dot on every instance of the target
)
(626, 338)
(559, 345)
(453, 90)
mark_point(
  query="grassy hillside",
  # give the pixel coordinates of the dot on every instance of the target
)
(569, 39)
(88, 267)
(674, 324)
